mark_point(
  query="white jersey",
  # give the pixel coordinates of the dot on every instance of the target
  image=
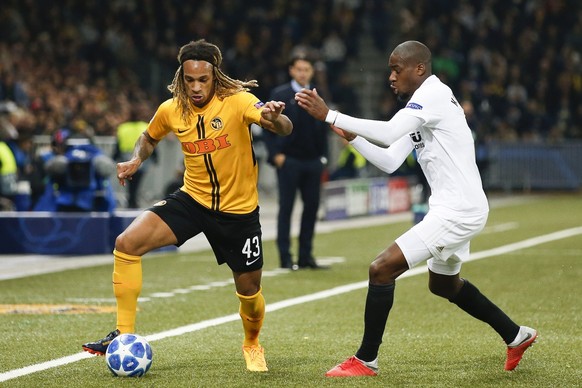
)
(434, 124)
(446, 149)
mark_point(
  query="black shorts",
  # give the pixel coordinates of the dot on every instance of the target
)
(236, 239)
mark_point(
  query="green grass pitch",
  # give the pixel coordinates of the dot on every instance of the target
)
(428, 341)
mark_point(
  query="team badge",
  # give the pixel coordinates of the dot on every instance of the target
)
(216, 123)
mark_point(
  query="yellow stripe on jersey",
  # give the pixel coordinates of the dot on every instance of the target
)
(221, 169)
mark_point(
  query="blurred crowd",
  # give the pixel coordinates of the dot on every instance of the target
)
(515, 64)
(84, 65)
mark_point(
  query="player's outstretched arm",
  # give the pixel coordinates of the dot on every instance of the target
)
(273, 119)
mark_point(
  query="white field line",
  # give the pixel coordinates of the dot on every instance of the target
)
(12, 374)
(200, 287)
(500, 228)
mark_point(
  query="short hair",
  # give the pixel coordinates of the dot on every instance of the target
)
(414, 51)
(302, 53)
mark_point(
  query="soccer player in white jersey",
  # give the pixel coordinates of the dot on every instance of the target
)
(433, 123)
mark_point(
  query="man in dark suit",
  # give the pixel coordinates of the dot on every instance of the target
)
(299, 159)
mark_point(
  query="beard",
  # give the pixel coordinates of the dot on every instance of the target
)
(403, 97)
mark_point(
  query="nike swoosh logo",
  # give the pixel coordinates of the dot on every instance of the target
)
(182, 130)
(251, 262)
(525, 339)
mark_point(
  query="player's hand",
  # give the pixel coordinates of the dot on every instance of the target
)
(273, 119)
(272, 110)
(125, 170)
(312, 103)
(345, 134)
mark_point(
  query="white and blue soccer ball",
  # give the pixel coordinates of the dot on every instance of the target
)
(129, 355)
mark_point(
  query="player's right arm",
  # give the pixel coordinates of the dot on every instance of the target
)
(382, 133)
(158, 127)
(143, 149)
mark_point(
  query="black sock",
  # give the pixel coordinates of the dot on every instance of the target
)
(472, 301)
(378, 304)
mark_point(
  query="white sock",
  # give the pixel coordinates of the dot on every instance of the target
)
(370, 364)
(521, 336)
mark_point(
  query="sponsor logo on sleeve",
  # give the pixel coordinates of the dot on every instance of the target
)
(414, 105)
(259, 104)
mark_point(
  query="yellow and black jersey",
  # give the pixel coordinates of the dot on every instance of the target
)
(221, 169)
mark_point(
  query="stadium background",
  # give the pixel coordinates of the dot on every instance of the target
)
(92, 60)
(515, 65)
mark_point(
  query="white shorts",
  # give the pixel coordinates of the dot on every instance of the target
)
(444, 242)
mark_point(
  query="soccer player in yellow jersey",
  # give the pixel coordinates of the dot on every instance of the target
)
(211, 115)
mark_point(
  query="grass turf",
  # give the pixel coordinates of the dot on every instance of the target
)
(428, 342)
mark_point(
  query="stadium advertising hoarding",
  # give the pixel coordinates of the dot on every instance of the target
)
(362, 197)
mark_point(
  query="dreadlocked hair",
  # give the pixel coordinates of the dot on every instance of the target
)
(225, 86)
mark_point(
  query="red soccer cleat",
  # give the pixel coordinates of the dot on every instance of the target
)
(352, 367)
(515, 353)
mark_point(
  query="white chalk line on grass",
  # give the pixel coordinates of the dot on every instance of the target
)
(496, 228)
(203, 287)
(12, 374)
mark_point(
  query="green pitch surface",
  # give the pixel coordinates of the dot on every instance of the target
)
(528, 261)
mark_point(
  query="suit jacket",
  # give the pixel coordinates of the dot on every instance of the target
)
(309, 137)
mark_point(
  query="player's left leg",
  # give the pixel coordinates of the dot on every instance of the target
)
(236, 240)
(468, 297)
(252, 304)
(465, 295)
(252, 313)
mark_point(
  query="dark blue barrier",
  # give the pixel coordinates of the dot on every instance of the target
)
(49, 233)
(534, 166)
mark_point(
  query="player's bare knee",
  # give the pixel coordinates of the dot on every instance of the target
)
(374, 270)
(381, 271)
(122, 244)
(247, 283)
(247, 289)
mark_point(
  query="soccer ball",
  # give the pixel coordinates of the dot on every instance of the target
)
(129, 355)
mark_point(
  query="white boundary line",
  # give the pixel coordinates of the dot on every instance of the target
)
(12, 374)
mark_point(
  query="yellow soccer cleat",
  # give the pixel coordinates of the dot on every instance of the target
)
(255, 358)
